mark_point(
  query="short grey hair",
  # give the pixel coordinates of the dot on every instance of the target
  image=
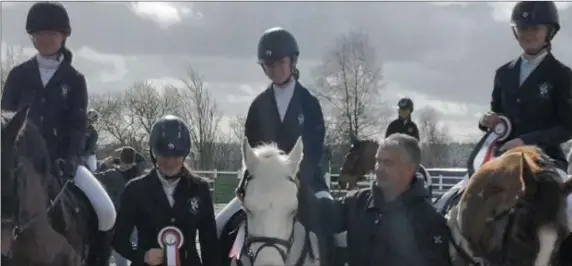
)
(409, 147)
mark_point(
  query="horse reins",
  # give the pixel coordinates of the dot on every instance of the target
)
(18, 227)
(272, 242)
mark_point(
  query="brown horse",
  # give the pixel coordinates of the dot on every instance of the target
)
(513, 212)
(42, 223)
(358, 162)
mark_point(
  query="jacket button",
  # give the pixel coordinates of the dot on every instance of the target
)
(42, 118)
(55, 132)
(44, 99)
(518, 100)
(172, 220)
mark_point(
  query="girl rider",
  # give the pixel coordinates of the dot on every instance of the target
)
(57, 95)
(283, 112)
(403, 123)
(534, 91)
(169, 195)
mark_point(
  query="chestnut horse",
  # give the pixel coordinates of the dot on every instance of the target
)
(360, 161)
(513, 212)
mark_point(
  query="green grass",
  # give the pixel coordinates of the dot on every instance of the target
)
(224, 187)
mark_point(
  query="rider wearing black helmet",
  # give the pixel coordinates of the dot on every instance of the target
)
(169, 195)
(403, 123)
(57, 95)
(283, 112)
(534, 91)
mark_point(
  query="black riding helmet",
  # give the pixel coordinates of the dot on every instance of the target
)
(405, 103)
(48, 16)
(170, 137)
(275, 44)
(534, 13)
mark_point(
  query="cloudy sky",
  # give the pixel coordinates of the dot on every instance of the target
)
(440, 54)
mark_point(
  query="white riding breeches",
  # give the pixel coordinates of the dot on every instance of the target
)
(91, 162)
(100, 201)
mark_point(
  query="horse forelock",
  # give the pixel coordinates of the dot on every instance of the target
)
(272, 171)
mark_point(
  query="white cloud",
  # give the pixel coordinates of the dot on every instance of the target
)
(164, 13)
(116, 73)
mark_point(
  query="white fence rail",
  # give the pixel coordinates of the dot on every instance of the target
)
(440, 184)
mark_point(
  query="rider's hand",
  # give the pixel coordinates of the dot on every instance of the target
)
(67, 167)
(513, 143)
(489, 120)
(154, 256)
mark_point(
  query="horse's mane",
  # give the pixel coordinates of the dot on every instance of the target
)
(532, 154)
(269, 150)
(31, 144)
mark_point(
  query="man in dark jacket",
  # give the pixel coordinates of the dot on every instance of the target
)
(392, 223)
(114, 181)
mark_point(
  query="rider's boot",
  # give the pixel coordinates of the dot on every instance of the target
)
(225, 214)
(100, 248)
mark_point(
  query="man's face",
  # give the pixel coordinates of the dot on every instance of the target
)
(390, 170)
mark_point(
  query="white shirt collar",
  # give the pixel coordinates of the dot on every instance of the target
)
(288, 88)
(49, 61)
(536, 60)
(166, 183)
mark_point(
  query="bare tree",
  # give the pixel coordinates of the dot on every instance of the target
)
(350, 82)
(11, 59)
(199, 108)
(146, 105)
(236, 126)
(434, 137)
(115, 120)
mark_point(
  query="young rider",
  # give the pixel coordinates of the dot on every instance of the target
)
(57, 95)
(403, 123)
(534, 91)
(173, 196)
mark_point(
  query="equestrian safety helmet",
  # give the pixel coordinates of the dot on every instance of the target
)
(405, 104)
(170, 137)
(535, 13)
(48, 16)
(92, 115)
(275, 44)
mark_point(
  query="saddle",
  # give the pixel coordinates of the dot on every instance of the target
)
(70, 212)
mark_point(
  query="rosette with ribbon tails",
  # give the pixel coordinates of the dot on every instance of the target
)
(171, 240)
(487, 148)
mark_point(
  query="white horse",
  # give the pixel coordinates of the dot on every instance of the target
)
(272, 235)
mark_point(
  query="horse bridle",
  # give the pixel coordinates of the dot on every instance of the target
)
(283, 246)
(19, 226)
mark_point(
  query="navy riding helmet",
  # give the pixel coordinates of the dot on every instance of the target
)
(170, 137)
(48, 16)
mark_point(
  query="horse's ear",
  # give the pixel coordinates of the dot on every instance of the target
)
(249, 158)
(16, 124)
(527, 176)
(296, 154)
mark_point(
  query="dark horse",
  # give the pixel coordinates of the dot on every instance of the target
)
(43, 222)
(513, 212)
(360, 161)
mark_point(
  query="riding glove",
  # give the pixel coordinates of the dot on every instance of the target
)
(68, 167)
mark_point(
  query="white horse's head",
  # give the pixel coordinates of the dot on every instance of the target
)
(270, 200)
